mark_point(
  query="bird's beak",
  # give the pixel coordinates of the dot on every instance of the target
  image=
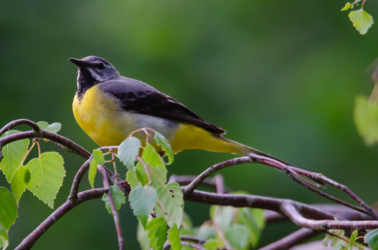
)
(78, 62)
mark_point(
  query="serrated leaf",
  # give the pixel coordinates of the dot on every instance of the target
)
(141, 174)
(211, 244)
(156, 164)
(13, 153)
(98, 158)
(170, 196)
(157, 228)
(8, 208)
(142, 237)
(346, 7)
(237, 236)
(255, 221)
(174, 238)
(361, 20)
(352, 239)
(372, 239)
(366, 119)
(206, 232)
(46, 176)
(128, 151)
(142, 201)
(20, 178)
(92, 172)
(132, 179)
(222, 216)
(186, 225)
(118, 198)
(53, 128)
(4, 240)
(164, 144)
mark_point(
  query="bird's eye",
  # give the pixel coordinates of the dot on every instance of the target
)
(100, 66)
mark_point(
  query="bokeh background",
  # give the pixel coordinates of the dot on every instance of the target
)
(280, 76)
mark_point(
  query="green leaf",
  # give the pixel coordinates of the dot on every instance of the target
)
(142, 201)
(347, 6)
(255, 221)
(156, 164)
(211, 244)
(53, 128)
(222, 216)
(164, 144)
(237, 236)
(8, 208)
(13, 153)
(4, 241)
(98, 158)
(92, 172)
(170, 197)
(132, 179)
(157, 228)
(174, 238)
(366, 119)
(142, 237)
(206, 231)
(186, 225)
(372, 239)
(353, 238)
(361, 20)
(46, 176)
(118, 198)
(141, 174)
(128, 151)
(20, 178)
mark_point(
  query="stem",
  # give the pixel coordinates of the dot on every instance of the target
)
(145, 168)
(31, 147)
(101, 169)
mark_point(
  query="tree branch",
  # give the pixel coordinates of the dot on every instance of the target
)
(292, 239)
(15, 123)
(29, 241)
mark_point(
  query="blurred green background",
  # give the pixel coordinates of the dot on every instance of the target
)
(280, 76)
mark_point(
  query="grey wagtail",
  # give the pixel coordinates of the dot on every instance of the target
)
(108, 107)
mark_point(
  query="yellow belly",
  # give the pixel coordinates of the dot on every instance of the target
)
(106, 123)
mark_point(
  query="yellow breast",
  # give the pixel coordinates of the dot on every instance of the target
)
(102, 118)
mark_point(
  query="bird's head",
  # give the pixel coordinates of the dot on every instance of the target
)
(93, 70)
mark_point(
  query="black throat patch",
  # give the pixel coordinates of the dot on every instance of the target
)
(85, 82)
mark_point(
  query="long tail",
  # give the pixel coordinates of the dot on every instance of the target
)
(245, 151)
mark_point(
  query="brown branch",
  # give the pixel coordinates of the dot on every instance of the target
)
(293, 172)
(30, 240)
(101, 169)
(292, 239)
(290, 211)
(15, 123)
(76, 182)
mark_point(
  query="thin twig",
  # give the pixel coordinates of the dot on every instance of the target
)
(146, 169)
(101, 169)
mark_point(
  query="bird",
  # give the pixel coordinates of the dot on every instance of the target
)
(109, 107)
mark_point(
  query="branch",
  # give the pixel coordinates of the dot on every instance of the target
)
(14, 123)
(186, 179)
(292, 239)
(76, 182)
(102, 170)
(293, 172)
(291, 212)
(29, 241)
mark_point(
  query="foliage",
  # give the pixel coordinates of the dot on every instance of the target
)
(361, 20)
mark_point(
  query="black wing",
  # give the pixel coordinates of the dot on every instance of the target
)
(139, 97)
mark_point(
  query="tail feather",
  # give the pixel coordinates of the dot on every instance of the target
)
(245, 151)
